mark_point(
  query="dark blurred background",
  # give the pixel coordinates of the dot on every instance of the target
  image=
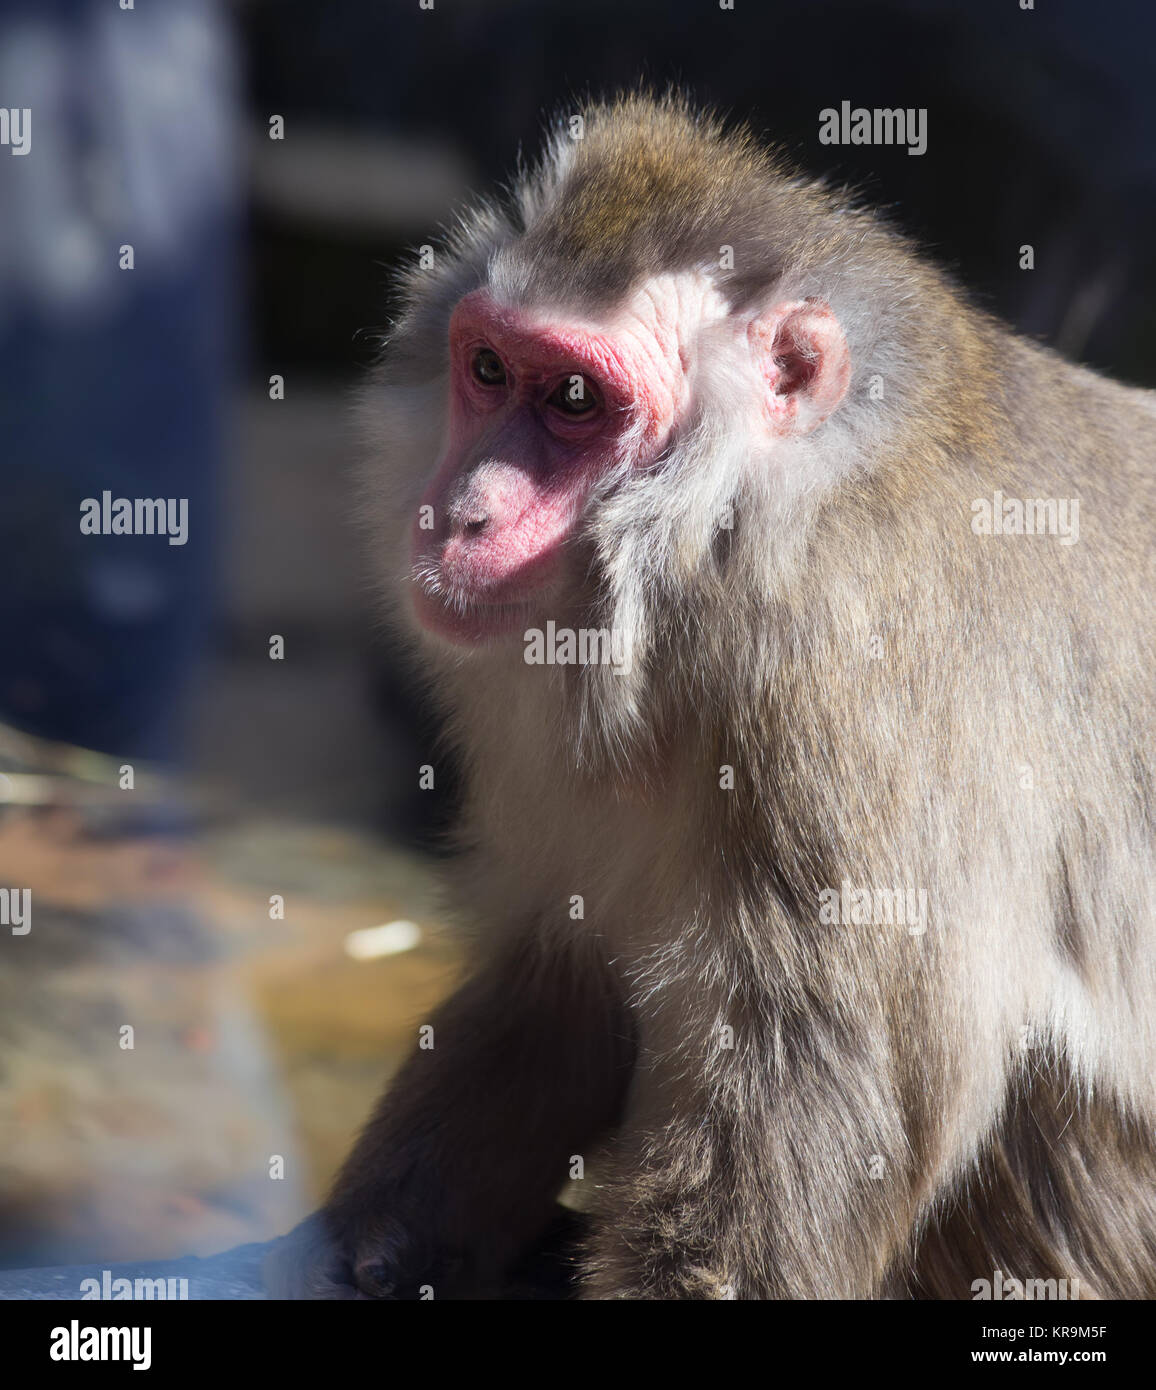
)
(257, 257)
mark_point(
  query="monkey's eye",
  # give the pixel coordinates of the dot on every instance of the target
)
(574, 396)
(487, 368)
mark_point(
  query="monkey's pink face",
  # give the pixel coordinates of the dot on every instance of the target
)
(541, 409)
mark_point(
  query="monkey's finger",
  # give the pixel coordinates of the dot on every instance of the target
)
(308, 1264)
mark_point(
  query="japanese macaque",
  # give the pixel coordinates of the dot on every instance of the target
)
(794, 623)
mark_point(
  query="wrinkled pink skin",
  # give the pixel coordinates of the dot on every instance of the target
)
(517, 470)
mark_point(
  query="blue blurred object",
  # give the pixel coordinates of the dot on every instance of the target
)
(112, 379)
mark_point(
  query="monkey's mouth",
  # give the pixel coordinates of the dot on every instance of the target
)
(453, 605)
(468, 619)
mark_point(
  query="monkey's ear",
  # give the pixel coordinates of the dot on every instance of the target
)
(801, 353)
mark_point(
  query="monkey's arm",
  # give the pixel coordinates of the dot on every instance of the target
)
(458, 1169)
(789, 1158)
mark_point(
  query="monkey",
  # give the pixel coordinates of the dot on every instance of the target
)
(818, 922)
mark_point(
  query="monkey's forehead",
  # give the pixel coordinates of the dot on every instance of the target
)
(650, 188)
(661, 313)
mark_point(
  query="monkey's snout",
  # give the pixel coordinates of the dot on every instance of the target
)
(471, 515)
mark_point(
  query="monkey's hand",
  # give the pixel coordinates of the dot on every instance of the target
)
(450, 1186)
(327, 1258)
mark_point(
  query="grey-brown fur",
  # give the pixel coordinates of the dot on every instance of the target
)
(900, 1114)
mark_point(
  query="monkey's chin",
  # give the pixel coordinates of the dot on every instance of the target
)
(472, 623)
